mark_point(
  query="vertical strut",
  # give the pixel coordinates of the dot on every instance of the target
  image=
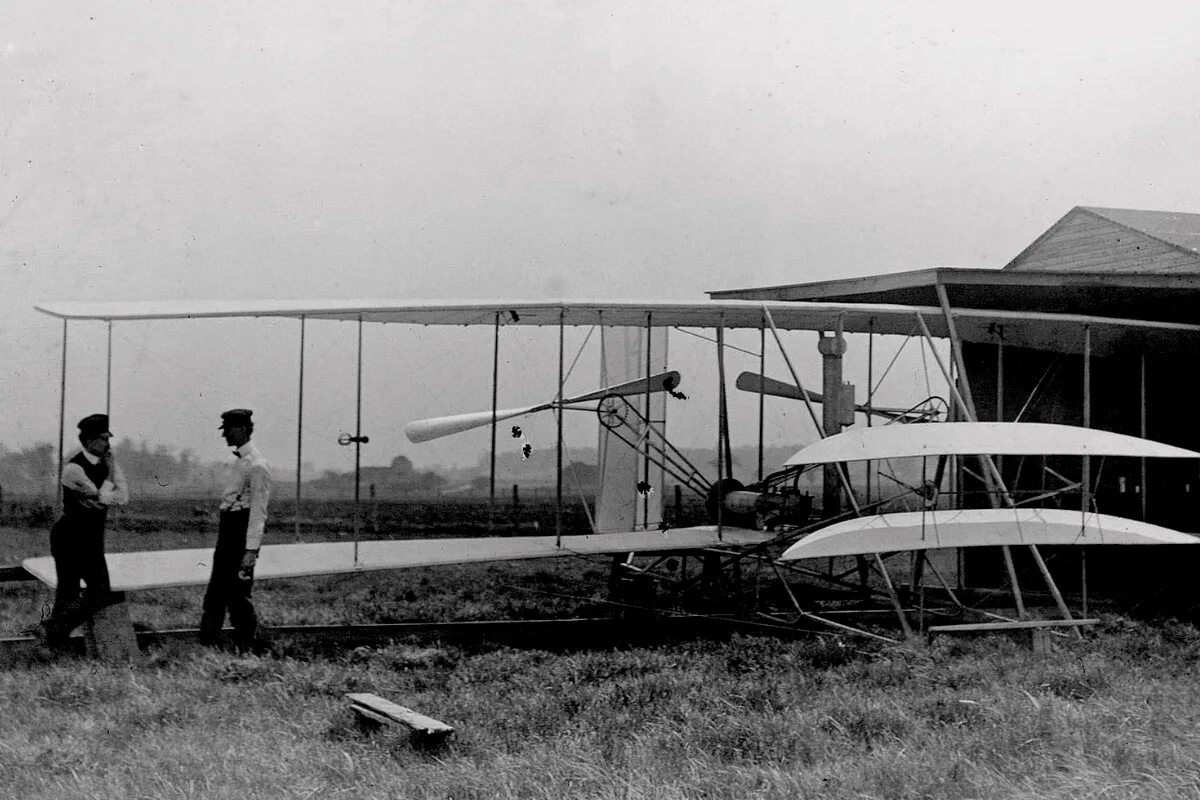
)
(300, 427)
(492, 456)
(358, 440)
(62, 414)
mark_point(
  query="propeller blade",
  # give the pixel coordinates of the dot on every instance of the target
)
(423, 430)
(753, 382)
(663, 381)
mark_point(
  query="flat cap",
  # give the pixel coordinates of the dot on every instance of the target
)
(235, 417)
(94, 424)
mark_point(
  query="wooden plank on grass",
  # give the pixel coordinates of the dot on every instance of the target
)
(983, 627)
(382, 710)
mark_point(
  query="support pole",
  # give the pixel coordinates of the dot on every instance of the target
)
(832, 348)
(495, 394)
(762, 370)
(1086, 478)
(649, 400)
(358, 440)
(722, 419)
(840, 472)
(956, 348)
(300, 427)
(986, 463)
(108, 378)
(559, 448)
(1144, 430)
(870, 393)
(62, 415)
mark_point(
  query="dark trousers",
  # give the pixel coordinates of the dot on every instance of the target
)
(229, 586)
(77, 544)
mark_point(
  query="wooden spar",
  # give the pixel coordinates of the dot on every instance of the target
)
(795, 377)
(724, 403)
(720, 425)
(842, 476)
(559, 448)
(646, 436)
(969, 413)
(108, 378)
(956, 349)
(870, 391)
(819, 619)
(358, 440)
(762, 370)
(495, 423)
(62, 415)
(831, 348)
(1085, 481)
(299, 431)
(1142, 398)
(1086, 475)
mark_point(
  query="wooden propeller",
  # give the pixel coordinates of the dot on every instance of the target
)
(423, 430)
(753, 382)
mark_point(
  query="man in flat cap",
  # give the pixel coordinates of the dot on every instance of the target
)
(91, 482)
(243, 517)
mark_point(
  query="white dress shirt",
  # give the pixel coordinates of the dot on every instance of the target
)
(249, 487)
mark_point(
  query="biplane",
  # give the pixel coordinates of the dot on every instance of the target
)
(766, 518)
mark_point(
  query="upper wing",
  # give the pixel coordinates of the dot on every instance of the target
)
(1055, 332)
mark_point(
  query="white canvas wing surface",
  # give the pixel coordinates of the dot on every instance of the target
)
(192, 567)
(977, 527)
(980, 438)
(1062, 333)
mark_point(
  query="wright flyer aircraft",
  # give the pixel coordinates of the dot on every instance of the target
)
(764, 519)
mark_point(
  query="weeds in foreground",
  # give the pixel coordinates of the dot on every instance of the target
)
(1117, 715)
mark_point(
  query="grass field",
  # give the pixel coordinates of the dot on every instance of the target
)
(1116, 715)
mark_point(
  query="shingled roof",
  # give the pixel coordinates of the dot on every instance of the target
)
(1116, 240)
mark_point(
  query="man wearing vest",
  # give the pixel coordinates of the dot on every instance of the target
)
(91, 482)
(243, 517)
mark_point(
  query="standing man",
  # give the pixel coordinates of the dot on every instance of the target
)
(243, 516)
(91, 482)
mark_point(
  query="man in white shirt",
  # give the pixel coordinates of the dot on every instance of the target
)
(91, 482)
(243, 518)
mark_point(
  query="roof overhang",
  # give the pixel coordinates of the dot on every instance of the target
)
(1174, 298)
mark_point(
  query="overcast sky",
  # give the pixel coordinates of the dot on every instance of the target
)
(537, 150)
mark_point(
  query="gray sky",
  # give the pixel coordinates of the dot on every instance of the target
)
(534, 150)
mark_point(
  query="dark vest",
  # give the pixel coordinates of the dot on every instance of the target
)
(97, 474)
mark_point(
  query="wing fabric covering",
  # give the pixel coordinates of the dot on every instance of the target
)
(619, 507)
(978, 527)
(979, 438)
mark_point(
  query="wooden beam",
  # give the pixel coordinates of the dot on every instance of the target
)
(984, 627)
(424, 730)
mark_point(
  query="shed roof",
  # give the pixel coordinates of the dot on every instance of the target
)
(1171, 298)
(1109, 262)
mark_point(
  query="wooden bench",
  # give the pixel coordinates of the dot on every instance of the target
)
(424, 731)
(1038, 629)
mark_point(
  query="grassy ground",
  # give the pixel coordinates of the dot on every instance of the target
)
(1116, 716)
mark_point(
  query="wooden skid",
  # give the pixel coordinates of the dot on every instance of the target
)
(989, 627)
(191, 567)
(983, 527)
(385, 712)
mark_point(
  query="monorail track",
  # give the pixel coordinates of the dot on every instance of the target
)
(551, 634)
